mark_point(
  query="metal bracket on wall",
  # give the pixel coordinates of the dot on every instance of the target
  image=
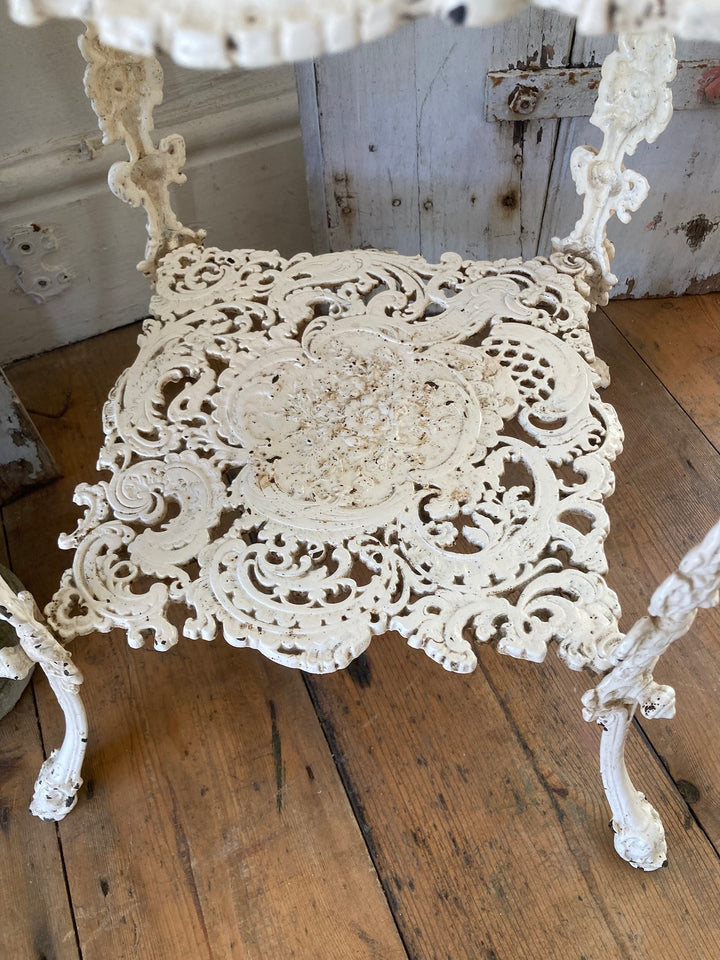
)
(554, 92)
(25, 248)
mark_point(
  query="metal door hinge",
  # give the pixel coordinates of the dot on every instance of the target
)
(554, 92)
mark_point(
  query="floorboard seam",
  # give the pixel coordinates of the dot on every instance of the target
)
(356, 807)
(662, 383)
(663, 764)
(63, 864)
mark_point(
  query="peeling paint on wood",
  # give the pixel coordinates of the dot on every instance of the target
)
(25, 461)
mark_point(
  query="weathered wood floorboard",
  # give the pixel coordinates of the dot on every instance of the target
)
(35, 916)
(667, 498)
(213, 823)
(679, 339)
(513, 754)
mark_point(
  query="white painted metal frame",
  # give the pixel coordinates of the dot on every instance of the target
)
(362, 441)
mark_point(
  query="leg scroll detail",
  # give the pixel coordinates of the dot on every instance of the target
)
(59, 780)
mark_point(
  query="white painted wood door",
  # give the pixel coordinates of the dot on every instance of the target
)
(399, 155)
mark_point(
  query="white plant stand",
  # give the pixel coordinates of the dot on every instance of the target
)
(309, 452)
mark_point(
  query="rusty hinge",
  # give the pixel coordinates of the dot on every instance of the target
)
(553, 92)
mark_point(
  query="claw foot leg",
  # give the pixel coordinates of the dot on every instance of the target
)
(59, 780)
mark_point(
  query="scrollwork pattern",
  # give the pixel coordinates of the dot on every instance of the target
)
(123, 90)
(634, 103)
(309, 452)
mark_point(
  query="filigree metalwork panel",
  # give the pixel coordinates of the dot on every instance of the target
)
(310, 452)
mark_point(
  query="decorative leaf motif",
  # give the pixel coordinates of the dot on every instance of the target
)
(309, 452)
(634, 103)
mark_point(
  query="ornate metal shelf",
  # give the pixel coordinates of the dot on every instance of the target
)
(309, 452)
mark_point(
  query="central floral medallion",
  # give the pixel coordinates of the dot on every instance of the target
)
(350, 418)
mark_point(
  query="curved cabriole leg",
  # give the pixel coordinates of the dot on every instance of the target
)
(639, 836)
(59, 780)
(639, 833)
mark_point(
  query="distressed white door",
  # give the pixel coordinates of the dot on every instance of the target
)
(400, 155)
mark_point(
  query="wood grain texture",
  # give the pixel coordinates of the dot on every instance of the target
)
(430, 174)
(35, 916)
(213, 822)
(679, 339)
(483, 807)
(217, 826)
(667, 498)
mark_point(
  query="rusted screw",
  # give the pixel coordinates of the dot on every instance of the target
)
(523, 100)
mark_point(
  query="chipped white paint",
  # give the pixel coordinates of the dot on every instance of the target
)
(123, 90)
(343, 462)
(59, 780)
(24, 458)
(639, 835)
(634, 103)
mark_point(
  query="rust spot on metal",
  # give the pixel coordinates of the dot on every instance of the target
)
(655, 222)
(546, 54)
(523, 99)
(572, 79)
(496, 81)
(630, 285)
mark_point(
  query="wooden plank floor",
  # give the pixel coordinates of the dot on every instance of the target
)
(234, 809)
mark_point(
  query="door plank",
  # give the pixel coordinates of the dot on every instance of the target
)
(481, 185)
(430, 174)
(214, 823)
(667, 498)
(368, 176)
(679, 339)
